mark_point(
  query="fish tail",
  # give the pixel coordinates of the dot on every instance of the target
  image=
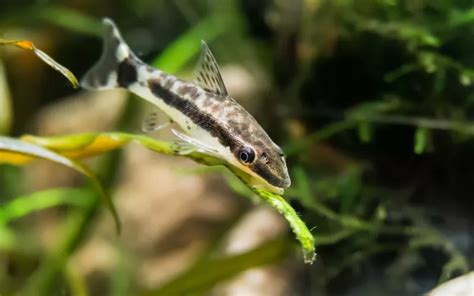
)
(117, 67)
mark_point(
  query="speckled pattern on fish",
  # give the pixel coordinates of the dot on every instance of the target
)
(211, 120)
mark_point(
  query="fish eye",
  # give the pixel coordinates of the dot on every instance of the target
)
(246, 155)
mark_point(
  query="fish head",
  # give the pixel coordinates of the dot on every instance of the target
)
(264, 162)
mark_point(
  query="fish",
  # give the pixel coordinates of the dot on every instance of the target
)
(210, 120)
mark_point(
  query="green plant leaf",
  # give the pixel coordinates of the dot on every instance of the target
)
(188, 45)
(25, 44)
(421, 140)
(24, 205)
(202, 277)
(15, 151)
(297, 225)
(365, 131)
(5, 102)
(8, 240)
(84, 145)
(70, 19)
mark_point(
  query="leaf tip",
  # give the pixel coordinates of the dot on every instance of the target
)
(309, 256)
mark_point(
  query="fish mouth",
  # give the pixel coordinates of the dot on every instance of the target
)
(274, 180)
(283, 183)
(279, 179)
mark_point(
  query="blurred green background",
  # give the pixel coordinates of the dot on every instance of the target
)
(371, 100)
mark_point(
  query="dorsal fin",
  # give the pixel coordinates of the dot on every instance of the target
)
(207, 72)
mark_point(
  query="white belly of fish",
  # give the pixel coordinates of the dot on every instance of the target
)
(185, 123)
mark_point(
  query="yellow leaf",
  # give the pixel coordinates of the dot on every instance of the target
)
(14, 158)
(14, 151)
(25, 44)
(84, 145)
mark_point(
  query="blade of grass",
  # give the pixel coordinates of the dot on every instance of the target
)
(8, 240)
(24, 205)
(202, 277)
(318, 136)
(5, 103)
(44, 281)
(23, 149)
(28, 45)
(58, 15)
(188, 45)
(77, 283)
(94, 144)
(421, 140)
(70, 19)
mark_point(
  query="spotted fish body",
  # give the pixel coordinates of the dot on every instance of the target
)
(211, 120)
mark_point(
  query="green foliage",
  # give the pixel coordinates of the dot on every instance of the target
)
(16, 151)
(5, 103)
(203, 276)
(377, 100)
(81, 145)
(25, 205)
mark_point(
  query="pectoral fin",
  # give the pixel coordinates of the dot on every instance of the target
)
(190, 144)
(155, 120)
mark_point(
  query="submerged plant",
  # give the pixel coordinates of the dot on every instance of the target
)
(66, 149)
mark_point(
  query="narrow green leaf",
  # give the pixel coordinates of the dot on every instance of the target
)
(188, 45)
(421, 140)
(76, 280)
(465, 78)
(364, 109)
(5, 102)
(325, 133)
(27, 149)
(304, 187)
(461, 17)
(8, 239)
(28, 45)
(70, 19)
(56, 66)
(297, 225)
(399, 72)
(202, 277)
(24, 205)
(365, 131)
(93, 144)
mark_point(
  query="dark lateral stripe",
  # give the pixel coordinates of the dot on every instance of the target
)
(263, 172)
(210, 124)
(190, 109)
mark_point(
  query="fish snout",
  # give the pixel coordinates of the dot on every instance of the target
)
(282, 180)
(285, 181)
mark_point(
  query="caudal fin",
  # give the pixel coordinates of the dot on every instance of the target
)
(117, 65)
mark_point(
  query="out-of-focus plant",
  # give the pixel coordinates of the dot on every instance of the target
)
(28, 45)
(13, 151)
(371, 86)
(66, 149)
(5, 102)
(5, 105)
(83, 145)
(366, 74)
(17, 152)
